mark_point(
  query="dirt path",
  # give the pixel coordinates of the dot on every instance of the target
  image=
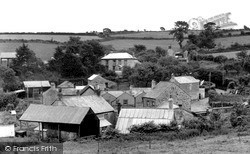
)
(208, 145)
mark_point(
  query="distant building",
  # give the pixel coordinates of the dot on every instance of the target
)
(138, 93)
(116, 61)
(6, 58)
(97, 80)
(122, 97)
(35, 88)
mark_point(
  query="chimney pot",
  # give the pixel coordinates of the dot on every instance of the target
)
(153, 83)
(170, 101)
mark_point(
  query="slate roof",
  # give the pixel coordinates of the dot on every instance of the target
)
(7, 55)
(66, 84)
(122, 55)
(186, 79)
(137, 91)
(96, 103)
(36, 84)
(50, 95)
(159, 88)
(116, 94)
(54, 114)
(136, 116)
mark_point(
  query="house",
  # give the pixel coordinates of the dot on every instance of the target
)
(51, 95)
(35, 88)
(122, 97)
(163, 91)
(190, 85)
(103, 83)
(138, 93)
(116, 61)
(97, 103)
(135, 116)
(68, 122)
(6, 58)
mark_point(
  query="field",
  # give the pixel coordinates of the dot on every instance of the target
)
(230, 144)
(42, 50)
(229, 54)
(59, 38)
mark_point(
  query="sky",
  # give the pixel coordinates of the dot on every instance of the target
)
(94, 15)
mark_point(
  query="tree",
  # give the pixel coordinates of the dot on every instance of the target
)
(139, 48)
(162, 28)
(207, 36)
(72, 67)
(106, 32)
(148, 56)
(127, 72)
(167, 61)
(181, 28)
(160, 51)
(10, 81)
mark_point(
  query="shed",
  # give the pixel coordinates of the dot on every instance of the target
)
(67, 121)
(35, 88)
(136, 116)
(6, 58)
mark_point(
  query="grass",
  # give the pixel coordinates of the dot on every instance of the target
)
(43, 51)
(59, 38)
(228, 54)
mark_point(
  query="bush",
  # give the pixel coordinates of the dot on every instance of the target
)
(240, 116)
(148, 127)
(6, 99)
(220, 59)
(111, 133)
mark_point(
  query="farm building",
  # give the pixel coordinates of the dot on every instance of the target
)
(65, 121)
(98, 104)
(116, 61)
(103, 83)
(66, 84)
(138, 93)
(189, 84)
(122, 97)
(165, 90)
(35, 88)
(6, 58)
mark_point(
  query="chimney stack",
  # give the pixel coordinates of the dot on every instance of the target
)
(153, 83)
(60, 94)
(53, 85)
(171, 102)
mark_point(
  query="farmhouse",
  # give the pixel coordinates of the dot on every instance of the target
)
(35, 88)
(6, 58)
(116, 61)
(67, 122)
(103, 83)
(165, 90)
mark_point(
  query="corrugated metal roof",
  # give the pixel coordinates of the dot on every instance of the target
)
(35, 84)
(122, 55)
(66, 84)
(69, 91)
(129, 117)
(186, 79)
(55, 114)
(104, 122)
(97, 103)
(8, 55)
(92, 77)
(165, 105)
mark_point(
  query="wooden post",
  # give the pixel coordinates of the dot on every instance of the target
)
(42, 130)
(58, 133)
(39, 131)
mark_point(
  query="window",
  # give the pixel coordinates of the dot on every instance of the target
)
(125, 102)
(153, 103)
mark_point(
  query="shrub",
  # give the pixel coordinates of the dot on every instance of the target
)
(6, 99)
(110, 133)
(148, 127)
(240, 115)
(220, 59)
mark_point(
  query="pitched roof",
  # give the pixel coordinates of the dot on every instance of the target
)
(122, 55)
(35, 84)
(129, 117)
(159, 88)
(92, 77)
(54, 114)
(50, 95)
(96, 103)
(66, 84)
(165, 105)
(137, 91)
(80, 87)
(8, 55)
(115, 93)
(69, 91)
(186, 79)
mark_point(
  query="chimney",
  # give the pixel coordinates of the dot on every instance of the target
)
(78, 92)
(131, 87)
(153, 83)
(171, 102)
(60, 94)
(97, 90)
(53, 85)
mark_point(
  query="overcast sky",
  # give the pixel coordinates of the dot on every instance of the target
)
(94, 15)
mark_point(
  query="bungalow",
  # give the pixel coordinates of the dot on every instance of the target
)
(103, 83)
(163, 91)
(122, 97)
(67, 122)
(35, 88)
